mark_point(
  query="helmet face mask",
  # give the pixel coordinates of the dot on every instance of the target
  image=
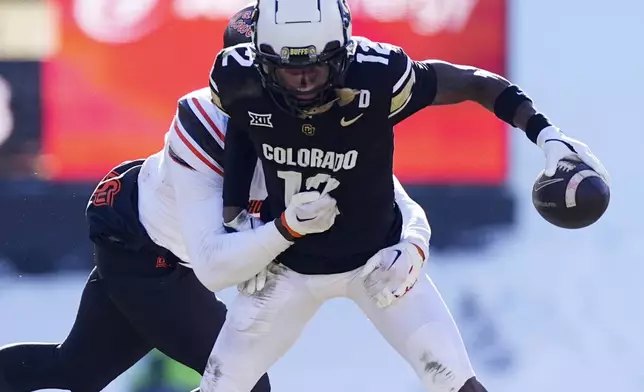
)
(301, 62)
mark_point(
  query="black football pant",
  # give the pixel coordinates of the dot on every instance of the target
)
(120, 319)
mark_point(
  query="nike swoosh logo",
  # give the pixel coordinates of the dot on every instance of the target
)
(398, 254)
(543, 184)
(303, 220)
(346, 123)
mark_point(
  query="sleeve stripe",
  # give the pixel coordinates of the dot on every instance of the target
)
(400, 101)
(404, 78)
(197, 130)
(176, 158)
(213, 85)
(254, 206)
(214, 98)
(212, 127)
(180, 133)
(400, 108)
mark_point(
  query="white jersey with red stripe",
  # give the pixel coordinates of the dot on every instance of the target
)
(193, 151)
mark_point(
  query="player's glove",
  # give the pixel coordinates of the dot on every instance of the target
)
(242, 222)
(254, 284)
(309, 213)
(557, 146)
(392, 272)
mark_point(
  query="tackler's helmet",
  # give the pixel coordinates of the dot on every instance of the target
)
(240, 27)
(296, 35)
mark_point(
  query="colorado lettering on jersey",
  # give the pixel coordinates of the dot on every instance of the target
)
(311, 157)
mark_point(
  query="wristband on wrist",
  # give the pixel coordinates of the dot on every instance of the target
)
(284, 229)
(508, 102)
(537, 123)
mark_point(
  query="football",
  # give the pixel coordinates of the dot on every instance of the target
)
(575, 197)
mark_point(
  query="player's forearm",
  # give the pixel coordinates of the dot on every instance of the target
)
(457, 83)
(221, 260)
(416, 227)
(218, 259)
(489, 89)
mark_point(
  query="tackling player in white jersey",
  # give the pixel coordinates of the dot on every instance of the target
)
(161, 249)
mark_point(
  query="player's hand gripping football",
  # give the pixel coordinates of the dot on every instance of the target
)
(557, 146)
(392, 272)
(309, 213)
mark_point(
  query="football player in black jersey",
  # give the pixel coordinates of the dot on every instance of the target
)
(318, 106)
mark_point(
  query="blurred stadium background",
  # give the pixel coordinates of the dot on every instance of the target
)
(86, 84)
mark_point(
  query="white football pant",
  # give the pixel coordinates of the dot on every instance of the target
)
(260, 329)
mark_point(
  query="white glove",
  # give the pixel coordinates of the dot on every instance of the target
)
(254, 284)
(392, 272)
(303, 205)
(557, 146)
(242, 222)
(309, 213)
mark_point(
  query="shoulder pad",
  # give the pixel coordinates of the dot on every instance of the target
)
(378, 56)
(365, 46)
(394, 68)
(202, 95)
(233, 76)
(198, 132)
(403, 80)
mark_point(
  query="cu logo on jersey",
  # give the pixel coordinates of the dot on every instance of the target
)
(261, 120)
(308, 129)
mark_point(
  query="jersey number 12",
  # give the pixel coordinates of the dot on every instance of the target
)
(293, 183)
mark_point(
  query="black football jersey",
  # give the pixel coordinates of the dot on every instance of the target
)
(346, 147)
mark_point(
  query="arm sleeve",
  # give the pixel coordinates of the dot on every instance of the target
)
(414, 86)
(416, 227)
(218, 259)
